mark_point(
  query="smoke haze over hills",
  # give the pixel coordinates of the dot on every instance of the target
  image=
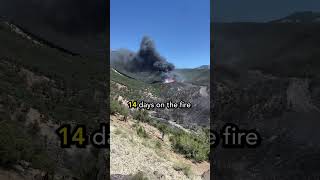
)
(258, 11)
(147, 59)
(72, 16)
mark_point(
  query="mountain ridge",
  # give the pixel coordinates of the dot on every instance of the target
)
(34, 38)
(300, 17)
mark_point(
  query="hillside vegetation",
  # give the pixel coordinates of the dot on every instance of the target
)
(164, 152)
(266, 77)
(40, 88)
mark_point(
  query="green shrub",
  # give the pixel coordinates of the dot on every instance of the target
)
(13, 146)
(163, 128)
(135, 125)
(191, 145)
(139, 176)
(116, 107)
(184, 168)
(17, 144)
(124, 111)
(44, 162)
(158, 145)
(118, 131)
(141, 115)
(141, 132)
(195, 146)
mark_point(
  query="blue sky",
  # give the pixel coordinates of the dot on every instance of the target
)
(180, 28)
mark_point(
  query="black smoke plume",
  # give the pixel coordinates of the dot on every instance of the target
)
(147, 59)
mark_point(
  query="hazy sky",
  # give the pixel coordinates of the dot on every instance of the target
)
(180, 28)
(259, 10)
(71, 16)
(77, 25)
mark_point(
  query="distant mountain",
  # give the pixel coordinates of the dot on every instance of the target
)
(204, 67)
(300, 17)
(32, 37)
(196, 76)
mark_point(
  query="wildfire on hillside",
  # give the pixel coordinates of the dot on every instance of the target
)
(169, 80)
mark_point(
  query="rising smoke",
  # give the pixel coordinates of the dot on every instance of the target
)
(146, 59)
